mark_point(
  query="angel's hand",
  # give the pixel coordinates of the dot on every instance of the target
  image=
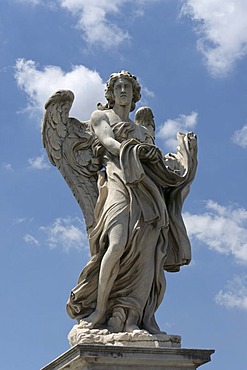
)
(148, 154)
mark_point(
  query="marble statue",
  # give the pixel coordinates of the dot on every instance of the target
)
(131, 196)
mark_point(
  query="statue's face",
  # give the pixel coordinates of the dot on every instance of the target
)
(123, 91)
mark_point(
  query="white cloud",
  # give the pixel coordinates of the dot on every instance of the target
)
(94, 22)
(95, 18)
(39, 163)
(8, 166)
(240, 137)
(148, 93)
(222, 30)
(29, 239)
(67, 233)
(169, 129)
(221, 228)
(38, 84)
(235, 293)
(20, 220)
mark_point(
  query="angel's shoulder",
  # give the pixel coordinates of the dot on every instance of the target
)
(98, 116)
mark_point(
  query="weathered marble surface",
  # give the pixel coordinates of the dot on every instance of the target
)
(137, 338)
(131, 196)
(98, 357)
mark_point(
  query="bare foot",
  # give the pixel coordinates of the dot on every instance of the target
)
(115, 324)
(131, 322)
(93, 319)
(131, 327)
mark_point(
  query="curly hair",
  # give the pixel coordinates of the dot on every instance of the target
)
(109, 95)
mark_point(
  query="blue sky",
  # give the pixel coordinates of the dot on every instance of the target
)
(191, 60)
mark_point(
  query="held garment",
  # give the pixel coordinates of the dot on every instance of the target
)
(146, 197)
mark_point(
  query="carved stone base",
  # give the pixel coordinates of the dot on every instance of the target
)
(99, 349)
(138, 338)
(105, 357)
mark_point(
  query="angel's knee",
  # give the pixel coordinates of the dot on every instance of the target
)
(117, 240)
(116, 250)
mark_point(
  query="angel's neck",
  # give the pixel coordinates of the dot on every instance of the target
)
(122, 112)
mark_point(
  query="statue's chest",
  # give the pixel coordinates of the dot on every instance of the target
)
(129, 130)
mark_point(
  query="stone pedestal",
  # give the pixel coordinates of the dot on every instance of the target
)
(99, 349)
(105, 357)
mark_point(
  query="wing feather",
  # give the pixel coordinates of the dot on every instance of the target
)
(144, 117)
(68, 143)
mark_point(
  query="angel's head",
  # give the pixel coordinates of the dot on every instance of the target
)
(109, 90)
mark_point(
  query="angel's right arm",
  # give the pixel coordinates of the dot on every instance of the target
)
(103, 131)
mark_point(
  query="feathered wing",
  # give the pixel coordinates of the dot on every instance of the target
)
(68, 143)
(144, 117)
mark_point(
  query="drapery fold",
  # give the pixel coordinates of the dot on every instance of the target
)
(147, 198)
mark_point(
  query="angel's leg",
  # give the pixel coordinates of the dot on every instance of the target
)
(109, 269)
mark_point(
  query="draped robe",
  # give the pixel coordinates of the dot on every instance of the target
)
(146, 197)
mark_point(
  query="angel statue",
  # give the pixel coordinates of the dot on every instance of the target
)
(131, 197)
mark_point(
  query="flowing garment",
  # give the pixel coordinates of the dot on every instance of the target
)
(146, 197)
